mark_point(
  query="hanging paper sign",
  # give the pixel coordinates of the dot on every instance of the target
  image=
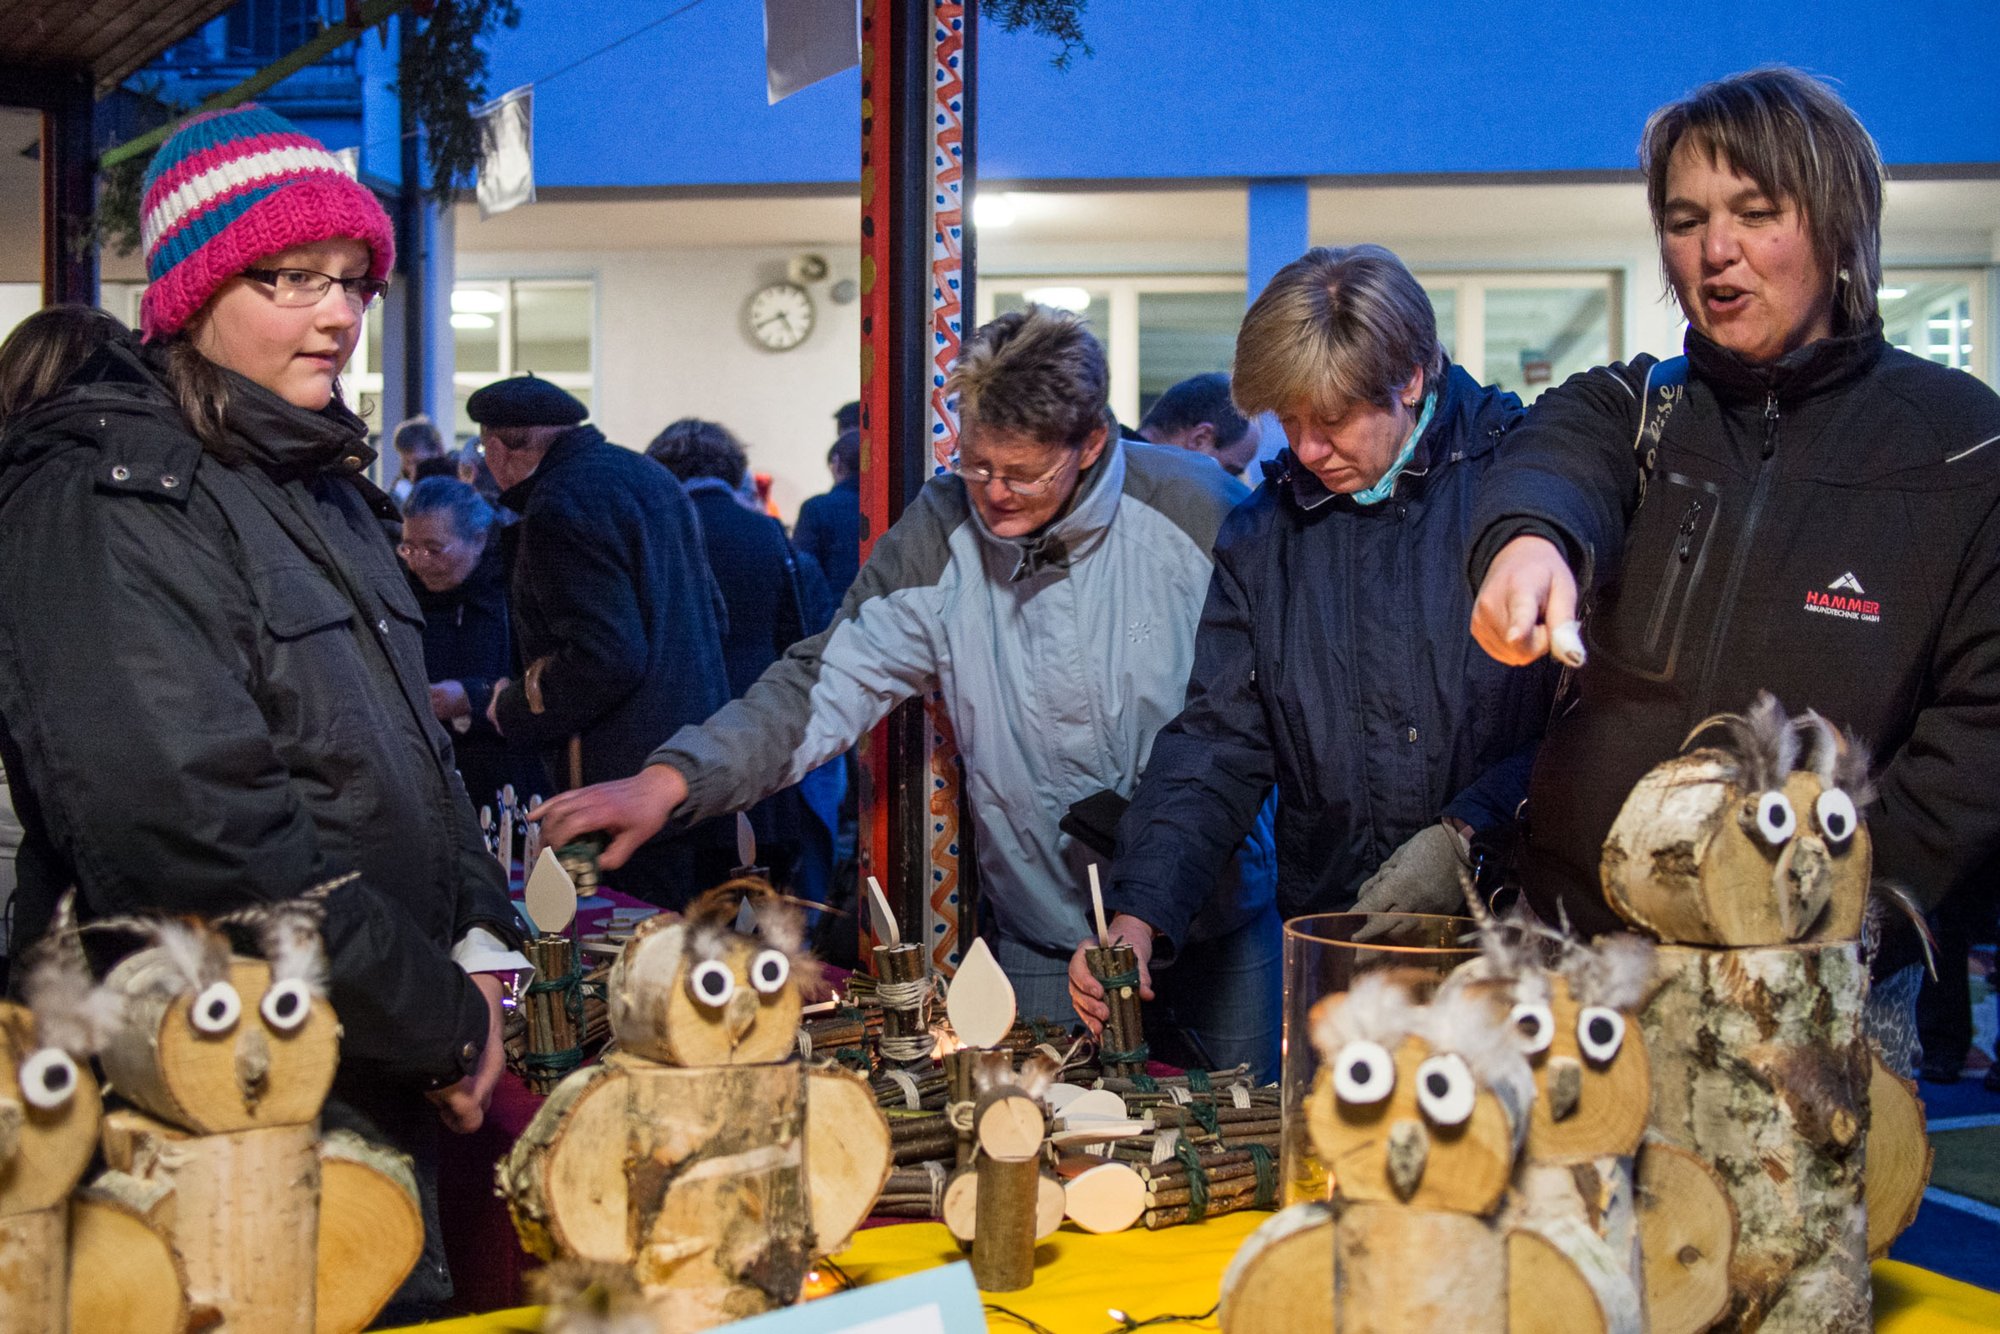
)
(507, 152)
(806, 41)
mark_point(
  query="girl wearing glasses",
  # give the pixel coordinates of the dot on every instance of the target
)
(214, 688)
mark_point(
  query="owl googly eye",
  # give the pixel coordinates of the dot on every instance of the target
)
(286, 1005)
(216, 1010)
(1363, 1073)
(49, 1079)
(1534, 1027)
(1599, 1032)
(1445, 1090)
(711, 984)
(1776, 821)
(1837, 817)
(769, 971)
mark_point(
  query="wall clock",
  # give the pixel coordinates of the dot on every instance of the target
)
(781, 316)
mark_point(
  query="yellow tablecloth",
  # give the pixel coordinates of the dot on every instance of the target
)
(1079, 1278)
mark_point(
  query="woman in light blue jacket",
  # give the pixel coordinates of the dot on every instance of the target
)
(1050, 586)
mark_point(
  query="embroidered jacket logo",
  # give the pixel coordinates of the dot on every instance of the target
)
(1845, 598)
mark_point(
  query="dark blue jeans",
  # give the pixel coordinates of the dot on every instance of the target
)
(1218, 1006)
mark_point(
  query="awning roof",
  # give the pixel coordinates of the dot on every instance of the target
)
(110, 38)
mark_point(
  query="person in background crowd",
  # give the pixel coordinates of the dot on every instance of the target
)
(1801, 460)
(616, 613)
(419, 454)
(1050, 583)
(213, 692)
(472, 470)
(775, 597)
(1329, 661)
(450, 544)
(1197, 414)
(847, 417)
(39, 354)
(829, 526)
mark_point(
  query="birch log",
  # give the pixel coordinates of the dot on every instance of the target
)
(1281, 1280)
(1761, 1068)
(34, 1271)
(124, 1272)
(695, 1177)
(1687, 1233)
(848, 1155)
(1399, 1270)
(1899, 1156)
(244, 1217)
(251, 1076)
(371, 1231)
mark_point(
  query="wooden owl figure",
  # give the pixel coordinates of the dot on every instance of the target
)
(68, 1258)
(684, 1156)
(1739, 844)
(227, 1060)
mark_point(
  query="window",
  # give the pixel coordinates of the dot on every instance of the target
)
(1156, 331)
(1939, 314)
(508, 326)
(1527, 331)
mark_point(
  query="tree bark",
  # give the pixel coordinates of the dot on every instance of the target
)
(1761, 1068)
(244, 1214)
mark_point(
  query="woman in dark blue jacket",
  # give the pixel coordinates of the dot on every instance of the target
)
(1332, 659)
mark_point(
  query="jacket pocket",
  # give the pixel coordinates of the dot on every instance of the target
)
(1643, 615)
(297, 600)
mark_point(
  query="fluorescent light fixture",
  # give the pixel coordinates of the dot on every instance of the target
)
(1062, 298)
(476, 301)
(470, 319)
(1891, 293)
(994, 210)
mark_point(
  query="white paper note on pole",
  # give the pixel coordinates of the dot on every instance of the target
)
(806, 41)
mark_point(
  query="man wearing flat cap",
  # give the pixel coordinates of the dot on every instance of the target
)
(615, 609)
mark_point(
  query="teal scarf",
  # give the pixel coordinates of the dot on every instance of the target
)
(1379, 492)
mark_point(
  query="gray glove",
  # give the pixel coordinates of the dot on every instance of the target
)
(1421, 876)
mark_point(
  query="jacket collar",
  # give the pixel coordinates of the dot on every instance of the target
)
(1803, 373)
(574, 441)
(1074, 532)
(1467, 422)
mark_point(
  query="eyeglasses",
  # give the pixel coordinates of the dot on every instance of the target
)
(307, 287)
(986, 476)
(428, 550)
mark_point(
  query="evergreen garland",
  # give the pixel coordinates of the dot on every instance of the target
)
(1058, 19)
(443, 81)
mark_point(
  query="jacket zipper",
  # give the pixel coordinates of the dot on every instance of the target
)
(1683, 549)
(1704, 705)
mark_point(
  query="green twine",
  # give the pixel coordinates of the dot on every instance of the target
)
(574, 989)
(1204, 1116)
(1198, 1082)
(1267, 1177)
(1145, 1083)
(1139, 1055)
(1113, 981)
(1197, 1206)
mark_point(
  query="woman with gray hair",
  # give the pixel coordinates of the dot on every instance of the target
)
(1792, 506)
(1330, 660)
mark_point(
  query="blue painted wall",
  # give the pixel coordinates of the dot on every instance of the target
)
(1241, 88)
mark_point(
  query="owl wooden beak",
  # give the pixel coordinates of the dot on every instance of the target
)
(11, 1117)
(1564, 1086)
(1802, 881)
(253, 1065)
(1409, 1149)
(740, 1013)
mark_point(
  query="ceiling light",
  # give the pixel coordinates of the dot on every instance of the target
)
(476, 300)
(470, 319)
(1062, 298)
(1891, 293)
(994, 210)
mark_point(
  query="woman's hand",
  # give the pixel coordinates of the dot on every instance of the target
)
(449, 700)
(462, 1106)
(1086, 993)
(631, 810)
(1528, 592)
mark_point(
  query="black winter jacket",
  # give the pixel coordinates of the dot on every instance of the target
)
(612, 587)
(213, 694)
(1824, 528)
(468, 639)
(1333, 659)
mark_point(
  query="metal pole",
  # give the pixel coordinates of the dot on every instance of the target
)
(69, 192)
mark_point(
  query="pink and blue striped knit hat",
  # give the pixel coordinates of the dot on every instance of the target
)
(233, 187)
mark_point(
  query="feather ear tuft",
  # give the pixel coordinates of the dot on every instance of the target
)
(290, 937)
(71, 1011)
(1764, 744)
(1378, 1008)
(199, 956)
(1038, 1075)
(1616, 971)
(1467, 1023)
